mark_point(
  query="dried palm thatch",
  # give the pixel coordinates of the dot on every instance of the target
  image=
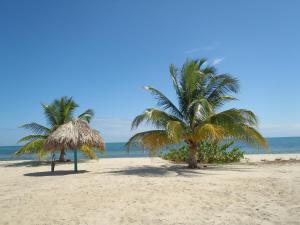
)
(74, 135)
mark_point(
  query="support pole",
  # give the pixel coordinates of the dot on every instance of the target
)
(75, 160)
(53, 162)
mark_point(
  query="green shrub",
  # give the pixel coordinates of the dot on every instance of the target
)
(208, 152)
(177, 155)
(211, 152)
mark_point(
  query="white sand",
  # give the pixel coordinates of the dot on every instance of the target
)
(151, 191)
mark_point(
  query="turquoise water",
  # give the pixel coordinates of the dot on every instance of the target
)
(117, 150)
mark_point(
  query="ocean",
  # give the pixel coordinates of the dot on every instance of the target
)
(118, 150)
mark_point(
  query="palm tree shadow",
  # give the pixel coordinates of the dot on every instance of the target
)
(28, 163)
(155, 171)
(55, 173)
(228, 167)
(177, 170)
(31, 163)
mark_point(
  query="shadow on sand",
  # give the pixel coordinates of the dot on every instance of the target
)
(229, 167)
(155, 171)
(27, 164)
(55, 173)
(175, 170)
(30, 163)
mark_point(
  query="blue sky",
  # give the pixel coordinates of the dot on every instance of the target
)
(103, 52)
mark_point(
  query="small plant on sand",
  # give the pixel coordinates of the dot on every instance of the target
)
(212, 152)
(177, 155)
(207, 152)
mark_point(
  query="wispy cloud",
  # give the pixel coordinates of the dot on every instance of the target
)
(211, 47)
(193, 50)
(217, 61)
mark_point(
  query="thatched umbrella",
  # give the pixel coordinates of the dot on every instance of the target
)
(74, 135)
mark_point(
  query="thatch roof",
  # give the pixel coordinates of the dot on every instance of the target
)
(73, 135)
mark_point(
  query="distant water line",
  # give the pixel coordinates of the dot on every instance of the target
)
(118, 150)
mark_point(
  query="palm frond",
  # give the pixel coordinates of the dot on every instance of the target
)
(88, 151)
(155, 117)
(211, 70)
(32, 137)
(173, 73)
(164, 102)
(175, 131)
(208, 132)
(235, 116)
(51, 115)
(239, 124)
(151, 140)
(193, 80)
(87, 115)
(60, 111)
(220, 86)
(245, 133)
(36, 128)
(199, 109)
(33, 147)
(64, 107)
(189, 78)
(217, 103)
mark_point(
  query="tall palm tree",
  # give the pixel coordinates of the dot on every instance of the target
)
(201, 93)
(57, 113)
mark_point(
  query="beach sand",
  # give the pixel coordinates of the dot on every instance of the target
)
(152, 191)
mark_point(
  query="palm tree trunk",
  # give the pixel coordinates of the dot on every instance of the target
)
(62, 155)
(192, 161)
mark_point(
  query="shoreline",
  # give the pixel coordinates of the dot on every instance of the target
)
(247, 158)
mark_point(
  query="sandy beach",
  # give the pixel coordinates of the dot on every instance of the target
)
(152, 191)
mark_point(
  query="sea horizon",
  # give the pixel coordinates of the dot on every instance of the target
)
(117, 142)
(277, 145)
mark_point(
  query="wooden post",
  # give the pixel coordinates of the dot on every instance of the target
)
(75, 160)
(53, 162)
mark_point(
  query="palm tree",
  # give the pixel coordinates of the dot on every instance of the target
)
(201, 92)
(57, 113)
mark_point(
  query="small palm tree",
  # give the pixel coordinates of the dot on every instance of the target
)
(57, 113)
(197, 117)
